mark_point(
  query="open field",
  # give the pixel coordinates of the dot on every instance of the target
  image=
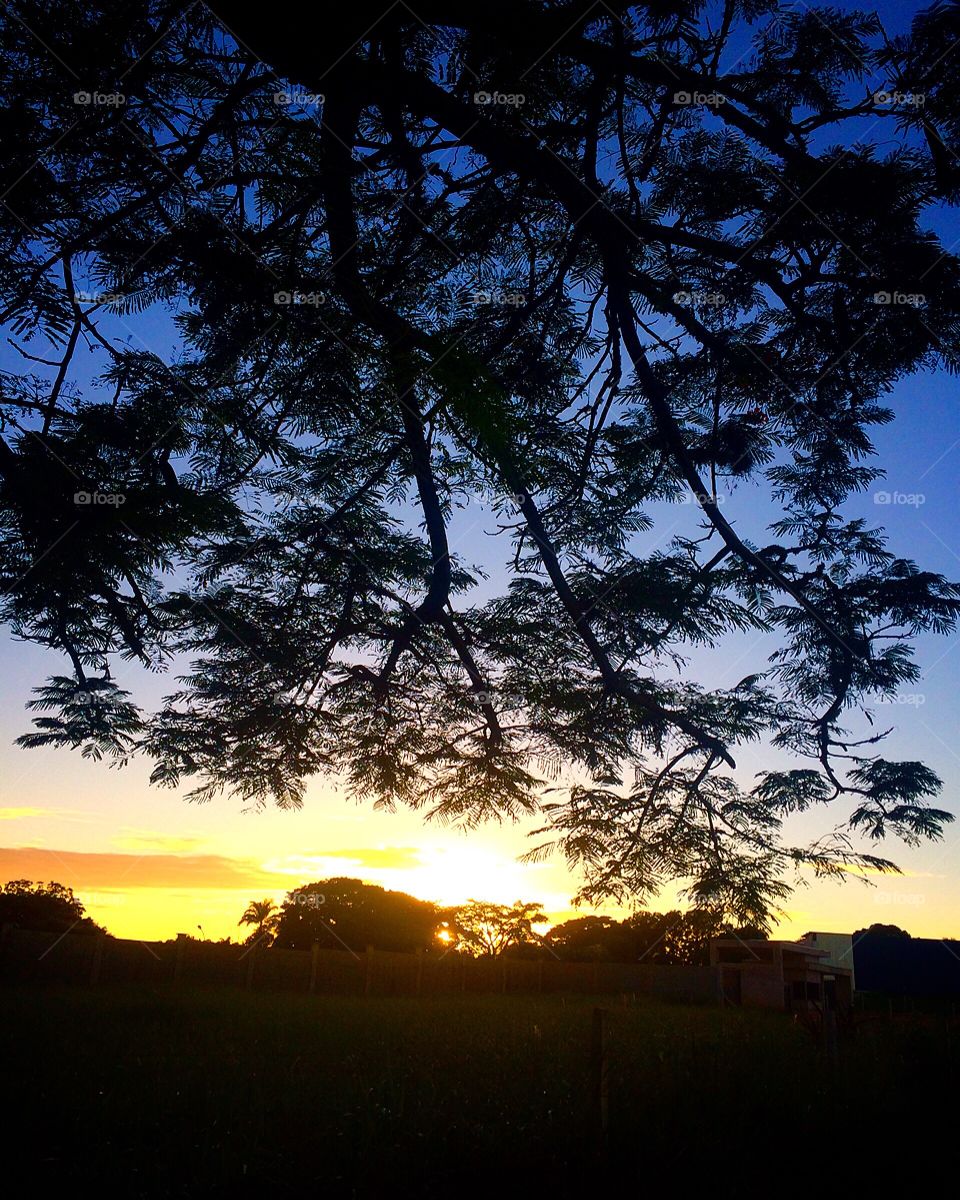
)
(218, 1092)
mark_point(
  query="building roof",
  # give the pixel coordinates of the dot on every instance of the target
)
(804, 948)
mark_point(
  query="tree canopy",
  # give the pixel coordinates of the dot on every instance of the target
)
(490, 930)
(621, 259)
(347, 914)
(880, 930)
(50, 907)
(674, 938)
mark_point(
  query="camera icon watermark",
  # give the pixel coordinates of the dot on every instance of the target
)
(701, 498)
(100, 99)
(485, 500)
(504, 701)
(701, 298)
(299, 99)
(306, 899)
(99, 298)
(899, 299)
(900, 99)
(99, 499)
(505, 99)
(313, 299)
(498, 298)
(900, 899)
(699, 99)
(905, 499)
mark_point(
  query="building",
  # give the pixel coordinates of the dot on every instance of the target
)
(925, 968)
(840, 949)
(790, 976)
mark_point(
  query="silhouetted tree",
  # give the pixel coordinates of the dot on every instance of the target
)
(648, 935)
(623, 259)
(878, 930)
(50, 907)
(263, 915)
(686, 939)
(346, 913)
(591, 939)
(670, 938)
(486, 929)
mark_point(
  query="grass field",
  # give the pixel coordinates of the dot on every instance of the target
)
(208, 1093)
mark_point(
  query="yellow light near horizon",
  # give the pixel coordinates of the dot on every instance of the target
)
(455, 874)
(444, 935)
(156, 914)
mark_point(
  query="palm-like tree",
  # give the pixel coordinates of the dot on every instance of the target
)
(263, 914)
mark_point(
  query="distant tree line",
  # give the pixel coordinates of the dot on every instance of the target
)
(677, 938)
(348, 914)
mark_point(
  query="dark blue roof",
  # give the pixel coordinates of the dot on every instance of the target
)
(907, 966)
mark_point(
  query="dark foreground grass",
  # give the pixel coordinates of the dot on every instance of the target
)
(210, 1093)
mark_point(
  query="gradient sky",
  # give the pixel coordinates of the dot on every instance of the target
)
(147, 864)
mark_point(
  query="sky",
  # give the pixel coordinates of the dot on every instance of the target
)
(147, 864)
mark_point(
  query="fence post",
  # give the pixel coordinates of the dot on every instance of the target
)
(178, 957)
(368, 972)
(314, 964)
(600, 1076)
(97, 962)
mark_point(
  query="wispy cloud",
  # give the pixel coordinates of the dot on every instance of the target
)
(25, 813)
(335, 862)
(79, 870)
(148, 841)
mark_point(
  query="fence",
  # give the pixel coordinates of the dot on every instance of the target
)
(29, 956)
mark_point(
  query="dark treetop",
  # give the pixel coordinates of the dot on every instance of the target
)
(578, 260)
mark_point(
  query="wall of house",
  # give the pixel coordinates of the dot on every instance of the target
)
(840, 947)
(761, 986)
